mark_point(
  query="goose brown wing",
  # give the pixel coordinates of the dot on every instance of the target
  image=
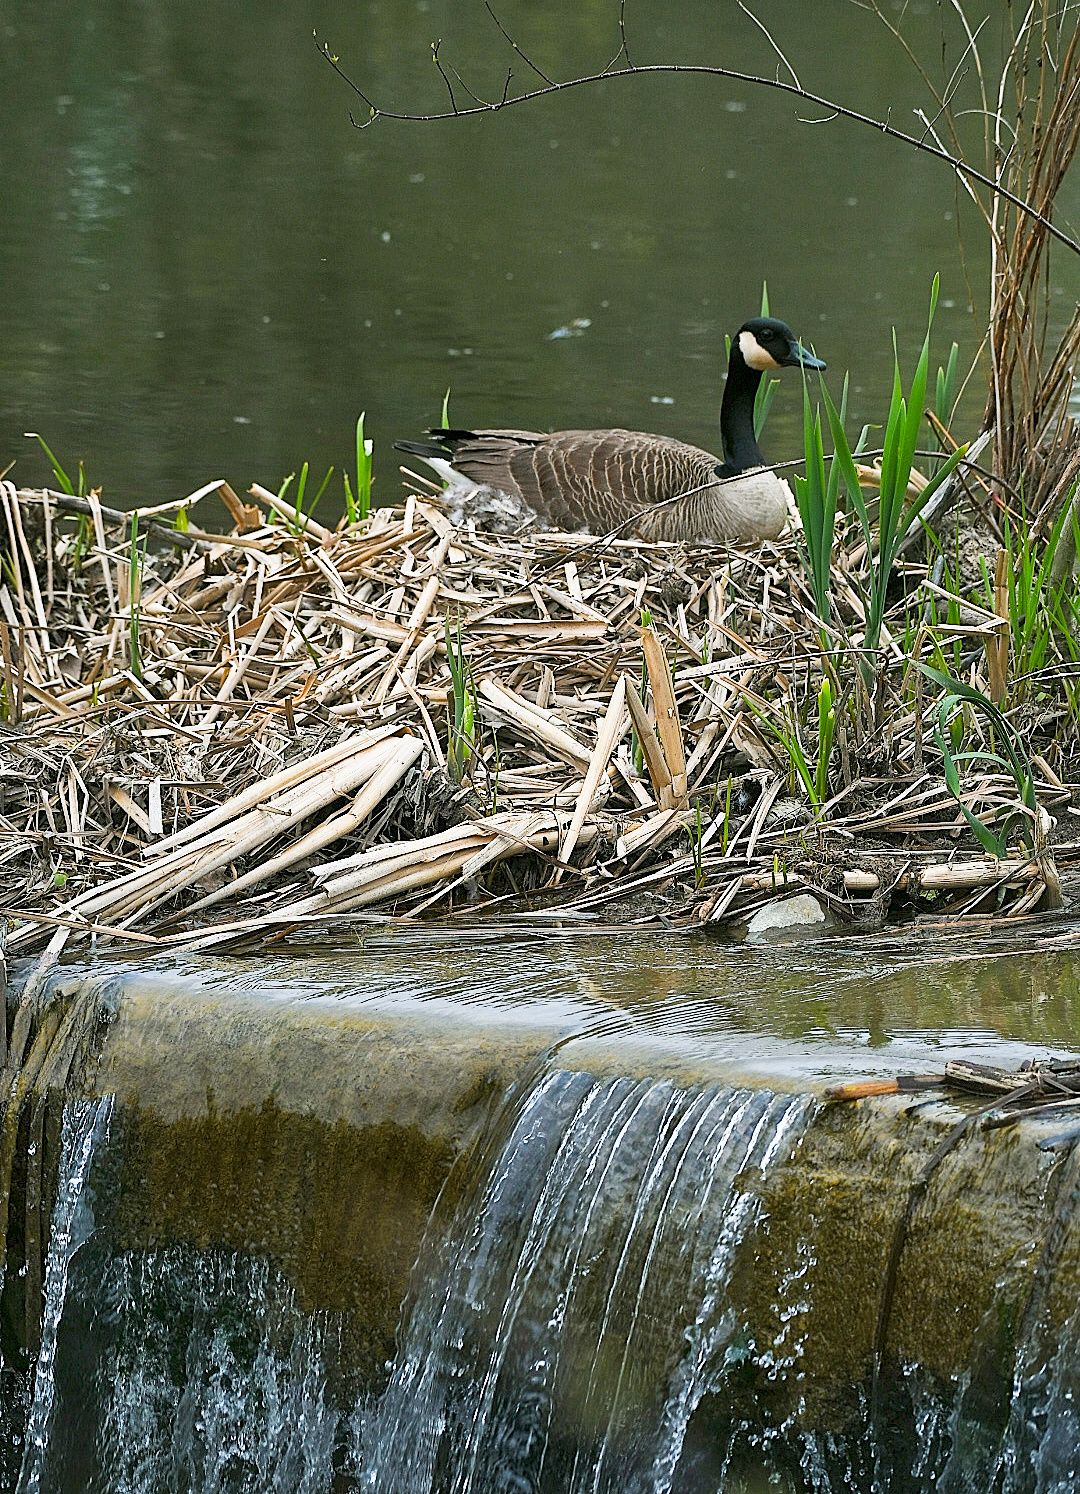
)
(583, 479)
(488, 457)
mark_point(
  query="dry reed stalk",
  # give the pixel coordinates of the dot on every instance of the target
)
(257, 739)
(615, 722)
(534, 723)
(391, 760)
(997, 642)
(1025, 88)
(1036, 132)
(296, 519)
(288, 778)
(391, 872)
(668, 726)
(241, 835)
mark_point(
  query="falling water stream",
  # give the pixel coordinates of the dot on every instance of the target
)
(85, 1124)
(581, 1303)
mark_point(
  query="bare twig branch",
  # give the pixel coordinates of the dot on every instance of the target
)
(760, 24)
(526, 59)
(624, 50)
(332, 58)
(961, 167)
(484, 103)
(435, 45)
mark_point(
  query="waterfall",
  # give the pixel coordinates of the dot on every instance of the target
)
(575, 1312)
(248, 1409)
(204, 1374)
(615, 1294)
(86, 1122)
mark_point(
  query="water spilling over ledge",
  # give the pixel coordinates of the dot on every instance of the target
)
(311, 1228)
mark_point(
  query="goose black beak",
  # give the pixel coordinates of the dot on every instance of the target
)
(800, 357)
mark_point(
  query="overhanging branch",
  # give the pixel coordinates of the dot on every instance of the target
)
(927, 147)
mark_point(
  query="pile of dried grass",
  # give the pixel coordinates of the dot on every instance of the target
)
(226, 734)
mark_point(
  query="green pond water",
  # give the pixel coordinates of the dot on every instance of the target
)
(270, 1177)
(208, 272)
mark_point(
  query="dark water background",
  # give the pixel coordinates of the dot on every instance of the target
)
(208, 272)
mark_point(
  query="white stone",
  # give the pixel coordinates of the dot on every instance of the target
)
(777, 918)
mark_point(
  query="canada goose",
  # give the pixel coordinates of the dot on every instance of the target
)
(598, 481)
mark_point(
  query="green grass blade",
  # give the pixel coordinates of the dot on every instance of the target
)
(63, 480)
(766, 393)
(843, 457)
(1019, 765)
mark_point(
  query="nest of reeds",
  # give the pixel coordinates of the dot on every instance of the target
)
(212, 737)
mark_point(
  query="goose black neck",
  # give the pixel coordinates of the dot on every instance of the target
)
(741, 451)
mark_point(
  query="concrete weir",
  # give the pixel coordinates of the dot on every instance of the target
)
(699, 1259)
(316, 1133)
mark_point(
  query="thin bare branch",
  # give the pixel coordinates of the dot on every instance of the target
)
(624, 50)
(484, 103)
(882, 126)
(539, 71)
(435, 45)
(323, 48)
(760, 24)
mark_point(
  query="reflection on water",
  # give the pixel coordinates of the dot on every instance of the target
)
(812, 1009)
(208, 272)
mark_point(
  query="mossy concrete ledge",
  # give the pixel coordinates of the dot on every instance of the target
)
(318, 1133)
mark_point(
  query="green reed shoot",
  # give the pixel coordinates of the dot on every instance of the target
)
(953, 614)
(1011, 757)
(786, 732)
(304, 509)
(84, 539)
(816, 498)
(358, 498)
(444, 417)
(826, 712)
(63, 481)
(695, 832)
(944, 399)
(84, 532)
(766, 390)
(1042, 612)
(461, 733)
(812, 771)
(945, 387)
(897, 511)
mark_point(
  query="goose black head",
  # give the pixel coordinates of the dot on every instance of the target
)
(765, 343)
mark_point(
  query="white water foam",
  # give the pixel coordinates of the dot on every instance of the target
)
(85, 1124)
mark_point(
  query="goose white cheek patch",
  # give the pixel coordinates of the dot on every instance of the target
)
(754, 355)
